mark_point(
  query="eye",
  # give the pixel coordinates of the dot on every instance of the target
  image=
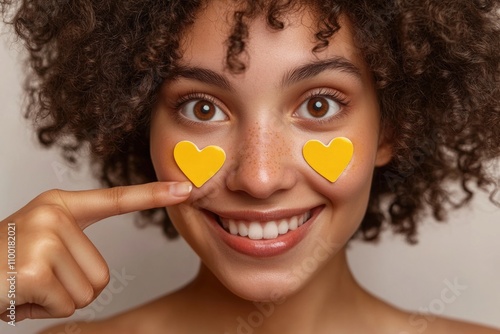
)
(202, 110)
(319, 107)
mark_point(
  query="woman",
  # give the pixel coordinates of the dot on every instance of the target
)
(262, 83)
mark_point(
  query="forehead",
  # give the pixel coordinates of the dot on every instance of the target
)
(204, 44)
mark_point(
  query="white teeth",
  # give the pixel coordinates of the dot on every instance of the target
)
(255, 231)
(283, 227)
(294, 223)
(270, 230)
(242, 229)
(304, 218)
(233, 228)
(264, 230)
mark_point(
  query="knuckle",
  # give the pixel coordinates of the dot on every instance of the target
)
(48, 245)
(34, 275)
(157, 196)
(102, 279)
(36, 269)
(49, 196)
(47, 215)
(66, 310)
(116, 195)
(86, 296)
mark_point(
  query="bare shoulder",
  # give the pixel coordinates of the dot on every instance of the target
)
(126, 323)
(406, 322)
(75, 327)
(439, 325)
(443, 325)
(154, 317)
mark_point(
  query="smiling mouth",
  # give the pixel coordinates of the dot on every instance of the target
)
(258, 230)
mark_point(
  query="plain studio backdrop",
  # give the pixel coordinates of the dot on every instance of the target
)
(454, 270)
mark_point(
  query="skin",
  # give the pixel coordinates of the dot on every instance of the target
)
(262, 128)
(59, 269)
(263, 138)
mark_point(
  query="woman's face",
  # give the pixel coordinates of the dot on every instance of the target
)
(262, 118)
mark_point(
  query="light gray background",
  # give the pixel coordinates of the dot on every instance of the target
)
(466, 249)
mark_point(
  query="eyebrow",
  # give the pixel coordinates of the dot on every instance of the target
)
(201, 74)
(314, 68)
(295, 75)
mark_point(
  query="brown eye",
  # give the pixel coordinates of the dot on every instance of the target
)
(318, 107)
(202, 110)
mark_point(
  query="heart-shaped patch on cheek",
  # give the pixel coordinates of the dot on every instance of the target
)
(331, 160)
(199, 166)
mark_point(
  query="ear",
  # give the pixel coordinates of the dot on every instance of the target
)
(384, 149)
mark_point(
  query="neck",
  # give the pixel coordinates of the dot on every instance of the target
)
(330, 296)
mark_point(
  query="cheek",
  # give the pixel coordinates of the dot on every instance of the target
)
(349, 195)
(179, 214)
(162, 143)
(186, 221)
(162, 147)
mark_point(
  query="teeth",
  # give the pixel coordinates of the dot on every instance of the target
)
(305, 217)
(301, 220)
(233, 228)
(264, 230)
(242, 229)
(283, 227)
(255, 231)
(270, 230)
(294, 223)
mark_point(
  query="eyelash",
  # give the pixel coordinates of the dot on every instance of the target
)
(183, 99)
(323, 92)
(334, 95)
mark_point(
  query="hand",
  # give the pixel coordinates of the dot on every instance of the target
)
(58, 268)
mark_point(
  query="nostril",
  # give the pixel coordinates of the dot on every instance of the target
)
(261, 166)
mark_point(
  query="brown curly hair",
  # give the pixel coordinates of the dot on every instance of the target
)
(96, 67)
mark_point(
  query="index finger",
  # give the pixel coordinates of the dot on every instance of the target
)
(90, 206)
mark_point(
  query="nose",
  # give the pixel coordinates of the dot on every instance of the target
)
(262, 163)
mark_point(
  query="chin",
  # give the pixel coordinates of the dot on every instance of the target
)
(264, 290)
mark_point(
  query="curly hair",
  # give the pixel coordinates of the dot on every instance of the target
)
(96, 67)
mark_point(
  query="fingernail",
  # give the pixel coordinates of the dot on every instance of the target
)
(181, 189)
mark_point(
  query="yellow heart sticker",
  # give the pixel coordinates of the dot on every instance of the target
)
(198, 166)
(331, 160)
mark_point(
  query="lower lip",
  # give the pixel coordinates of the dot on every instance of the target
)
(264, 247)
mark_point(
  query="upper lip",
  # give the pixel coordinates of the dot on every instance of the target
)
(261, 216)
